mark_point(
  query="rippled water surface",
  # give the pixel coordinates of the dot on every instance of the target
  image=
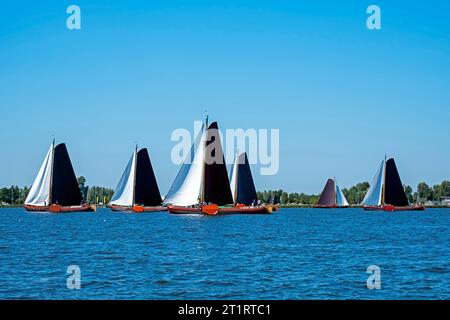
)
(293, 254)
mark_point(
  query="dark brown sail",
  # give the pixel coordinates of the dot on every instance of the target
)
(328, 196)
(146, 188)
(394, 194)
(65, 190)
(246, 192)
(216, 184)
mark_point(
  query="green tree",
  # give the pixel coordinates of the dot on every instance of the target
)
(99, 194)
(83, 188)
(409, 193)
(425, 193)
(441, 190)
(356, 193)
(284, 197)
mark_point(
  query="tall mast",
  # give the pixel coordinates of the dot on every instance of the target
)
(202, 189)
(51, 174)
(134, 175)
(236, 167)
(383, 186)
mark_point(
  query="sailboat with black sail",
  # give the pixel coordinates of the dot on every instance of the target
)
(55, 188)
(245, 199)
(332, 196)
(137, 190)
(386, 191)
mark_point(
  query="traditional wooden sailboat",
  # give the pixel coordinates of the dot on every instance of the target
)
(243, 189)
(332, 196)
(55, 188)
(386, 191)
(137, 190)
(202, 184)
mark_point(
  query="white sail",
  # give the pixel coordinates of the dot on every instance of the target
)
(39, 194)
(340, 197)
(233, 177)
(185, 189)
(124, 193)
(373, 196)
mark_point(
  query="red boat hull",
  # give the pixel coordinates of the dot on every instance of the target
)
(213, 210)
(390, 208)
(140, 209)
(210, 209)
(137, 209)
(36, 208)
(54, 208)
(184, 210)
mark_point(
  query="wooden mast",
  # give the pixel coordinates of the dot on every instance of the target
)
(383, 186)
(51, 174)
(236, 164)
(202, 192)
(134, 176)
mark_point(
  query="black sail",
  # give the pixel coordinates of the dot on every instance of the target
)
(65, 189)
(328, 196)
(246, 192)
(146, 190)
(394, 193)
(216, 183)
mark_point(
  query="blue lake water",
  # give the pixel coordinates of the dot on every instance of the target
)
(292, 254)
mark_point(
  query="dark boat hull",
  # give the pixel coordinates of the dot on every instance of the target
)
(390, 208)
(244, 210)
(54, 208)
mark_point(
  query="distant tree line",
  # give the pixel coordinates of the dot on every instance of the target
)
(356, 193)
(15, 195)
(94, 194)
(280, 196)
(436, 193)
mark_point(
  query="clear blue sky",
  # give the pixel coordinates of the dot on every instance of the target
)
(341, 95)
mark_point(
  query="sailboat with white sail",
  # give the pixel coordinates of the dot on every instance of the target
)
(386, 192)
(137, 189)
(55, 188)
(202, 184)
(332, 196)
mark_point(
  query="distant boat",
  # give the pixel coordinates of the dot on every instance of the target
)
(332, 196)
(202, 185)
(243, 189)
(386, 191)
(137, 189)
(55, 188)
